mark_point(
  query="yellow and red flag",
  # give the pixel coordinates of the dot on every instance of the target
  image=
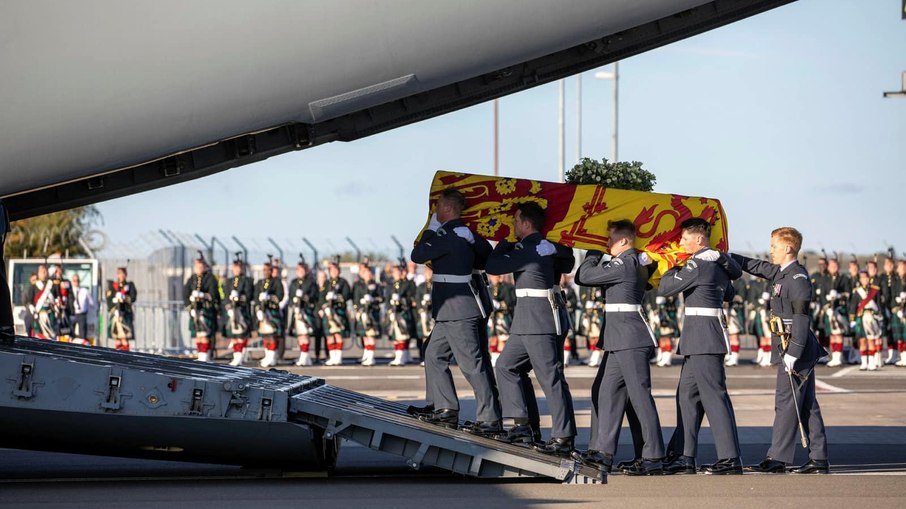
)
(577, 215)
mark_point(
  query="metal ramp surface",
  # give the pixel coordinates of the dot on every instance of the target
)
(385, 426)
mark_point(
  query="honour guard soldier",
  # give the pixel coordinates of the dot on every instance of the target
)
(592, 301)
(821, 287)
(202, 296)
(82, 304)
(64, 301)
(42, 300)
(268, 294)
(835, 321)
(890, 282)
(121, 296)
(865, 316)
(705, 283)
(503, 300)
(400, 297)
(796, 351)
(458, 311)
(662, 314)
(239, 295)
(320, 334)
(334, 317)
(303, 291)
(761, 315)
(425, 320)
(736, 319)
(899, 311)
(625, 375)
(366, 301)
(535, 332)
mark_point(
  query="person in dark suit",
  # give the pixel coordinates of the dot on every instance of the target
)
(790, 295)
(535, 334)
(459, 310)
(705, 283)
(625, 375)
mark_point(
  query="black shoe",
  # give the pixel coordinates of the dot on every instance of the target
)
(729, 466)
(518, 434)
(595, 459)
(813, 467)
(768, 466)
(444, 417)
(680, 465)
(645, 467)
(416, 411)
(556, 446)
(489, 429)
(626, 464)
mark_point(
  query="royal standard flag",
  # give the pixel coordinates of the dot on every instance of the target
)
(577, 215)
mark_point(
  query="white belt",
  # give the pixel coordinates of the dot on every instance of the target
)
(693, 311)
(622, 308)
(451, 278)
(533, 292)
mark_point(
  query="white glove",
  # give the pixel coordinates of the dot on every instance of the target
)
(852, 324)
(368, 298)
(643, 258)
(434, 224)
(192, 313)
(465, 233)
(496, 304)
(708, 255)
(262, 296)
(31, 309)
(589, 304)
(545, 248)
(426, 298)
(234, 295)
(395, 296)
(660, 300)
(831, 295)
(788, 361)
(331, 296)
(766, 296)
(260, 315)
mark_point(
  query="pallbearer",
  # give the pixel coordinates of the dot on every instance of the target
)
(625, 375)
(202, 296)
(795, 351)
(121, 295)
(537, 329)
(239, 295)
(705, 284)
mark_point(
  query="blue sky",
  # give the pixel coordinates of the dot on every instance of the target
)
(779, 116)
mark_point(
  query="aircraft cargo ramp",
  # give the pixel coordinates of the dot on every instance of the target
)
(71, 398)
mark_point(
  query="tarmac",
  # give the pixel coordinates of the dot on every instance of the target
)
(865, 414)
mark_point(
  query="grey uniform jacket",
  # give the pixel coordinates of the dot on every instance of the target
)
(704, 284)
(791, 292)
(451, 254)
(533, 315)
(623, 279)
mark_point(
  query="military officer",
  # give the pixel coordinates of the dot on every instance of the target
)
(628, 342)
(239, 295)
(458, 311)
(789, 303)
(503, 300)
(705, 283)
(202, 296)
(367, 296)
(333, 311)
(400, 298)
(268, 294)
(534, 336)
(121, 295)
(303, 291)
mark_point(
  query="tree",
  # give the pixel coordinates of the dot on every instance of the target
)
(58, 232)
(619, 175)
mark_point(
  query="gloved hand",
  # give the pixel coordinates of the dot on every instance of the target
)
(330, 296)
(234, 295)
(434, 224)
(589, 304)
(766, 296)
(660, 301)
(368, 298)
(464, 233)
(852, 324)
(788, 361)
(545, 248)
(643, 258)
(262, 297)
(709, 255)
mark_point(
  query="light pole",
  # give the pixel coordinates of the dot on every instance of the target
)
(615, 76)
(578, 117)
(496, 137)
(902, 91)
